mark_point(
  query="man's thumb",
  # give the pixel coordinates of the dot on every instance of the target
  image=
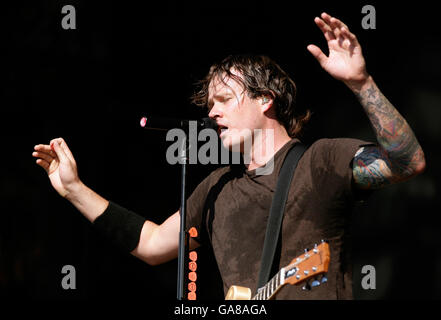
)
(59, 150)
(317, 53)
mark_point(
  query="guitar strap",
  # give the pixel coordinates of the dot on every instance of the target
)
(277, 209)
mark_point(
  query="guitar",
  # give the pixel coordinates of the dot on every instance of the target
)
(309, 265)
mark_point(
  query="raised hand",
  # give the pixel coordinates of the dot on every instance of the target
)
(345, 61)
(59, 163)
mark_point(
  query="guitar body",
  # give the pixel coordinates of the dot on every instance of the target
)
(238, 293)
(306, 267)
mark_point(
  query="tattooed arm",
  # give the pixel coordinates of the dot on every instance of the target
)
(398, 155)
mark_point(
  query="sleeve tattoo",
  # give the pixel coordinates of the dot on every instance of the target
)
(398, 155)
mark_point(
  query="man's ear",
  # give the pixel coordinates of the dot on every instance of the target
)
(267, 102)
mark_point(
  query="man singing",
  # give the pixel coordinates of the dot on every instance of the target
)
(230, 208)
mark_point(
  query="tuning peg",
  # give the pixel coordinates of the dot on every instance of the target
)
(315, 283)
(315, 250)
(324, 278)
(306, 253)
(307, 286)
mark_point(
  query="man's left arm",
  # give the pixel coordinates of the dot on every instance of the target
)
(398, 155)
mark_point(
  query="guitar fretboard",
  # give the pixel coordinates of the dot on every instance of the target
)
(268, 290)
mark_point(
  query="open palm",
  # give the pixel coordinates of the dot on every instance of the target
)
(345, 61)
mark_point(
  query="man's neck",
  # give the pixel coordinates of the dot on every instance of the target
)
(265, 145)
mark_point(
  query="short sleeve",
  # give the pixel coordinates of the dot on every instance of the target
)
(332, 166)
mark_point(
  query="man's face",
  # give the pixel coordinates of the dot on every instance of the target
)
(236, 114)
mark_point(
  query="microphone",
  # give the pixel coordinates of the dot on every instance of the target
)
(160, 123)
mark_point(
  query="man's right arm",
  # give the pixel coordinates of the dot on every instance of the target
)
(157, 243)
(160, 243)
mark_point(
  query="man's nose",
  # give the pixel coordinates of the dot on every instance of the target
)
(215, 112)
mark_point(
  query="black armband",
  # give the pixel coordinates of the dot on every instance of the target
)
(121, 226)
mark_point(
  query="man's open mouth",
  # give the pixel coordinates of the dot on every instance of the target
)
(221, 129)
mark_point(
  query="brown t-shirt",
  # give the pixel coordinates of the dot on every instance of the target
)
(230, 209)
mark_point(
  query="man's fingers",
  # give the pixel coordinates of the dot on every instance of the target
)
(318, 54)
(332, 21)
(67, 150)
(340, 30)
(329, 22)
(325, 28)
(338, 23)
(326, 16)
(349, 35)
(338, 27)
(347, 40)
(44, 164)
(59, 150)
(45, 148)
(43, 155)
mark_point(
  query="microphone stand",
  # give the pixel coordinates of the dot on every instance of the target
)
(182, 234)
(162, 124)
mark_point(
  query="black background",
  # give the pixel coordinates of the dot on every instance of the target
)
(91, 85)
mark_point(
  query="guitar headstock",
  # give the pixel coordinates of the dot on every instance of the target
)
(309, 265)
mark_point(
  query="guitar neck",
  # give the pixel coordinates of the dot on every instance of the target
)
(303, 268)
(288, 272)
(269, 290)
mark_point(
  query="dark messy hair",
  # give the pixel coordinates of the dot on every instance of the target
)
(259, 76)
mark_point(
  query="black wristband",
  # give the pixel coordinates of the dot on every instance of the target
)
(121, 226)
